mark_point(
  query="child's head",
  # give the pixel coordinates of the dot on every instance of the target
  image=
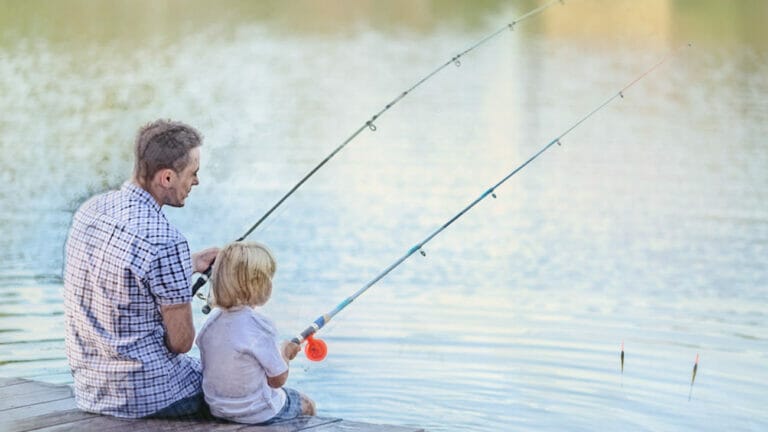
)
(242, 275)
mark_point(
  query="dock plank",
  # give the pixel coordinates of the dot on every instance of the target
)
(41, 407)
(40, 415)
(26, 393)
(5, 382)
(346, 425)
(109, 424)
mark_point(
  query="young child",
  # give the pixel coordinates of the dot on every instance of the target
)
(244, 370)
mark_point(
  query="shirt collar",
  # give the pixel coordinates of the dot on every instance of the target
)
(140, 194)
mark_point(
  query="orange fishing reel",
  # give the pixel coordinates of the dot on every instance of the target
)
(316, 349)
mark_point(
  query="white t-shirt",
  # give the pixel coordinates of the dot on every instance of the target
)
(239, 350)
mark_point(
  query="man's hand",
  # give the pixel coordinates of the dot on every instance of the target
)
(203, 259)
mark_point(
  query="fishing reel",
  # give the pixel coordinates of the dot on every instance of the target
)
(206, 309)
(201, 281)
(316, 349)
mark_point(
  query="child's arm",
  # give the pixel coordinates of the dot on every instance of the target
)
(289, 350)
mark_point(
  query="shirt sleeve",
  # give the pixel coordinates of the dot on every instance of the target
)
(265, 348)
(170, 272)
(268, 354)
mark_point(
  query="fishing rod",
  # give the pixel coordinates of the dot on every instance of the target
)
(316, 349)
(370, 124)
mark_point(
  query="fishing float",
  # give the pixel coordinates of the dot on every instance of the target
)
(622, 357)
(693, 375)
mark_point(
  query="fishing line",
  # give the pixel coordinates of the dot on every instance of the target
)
(370, 124)
(316, 349)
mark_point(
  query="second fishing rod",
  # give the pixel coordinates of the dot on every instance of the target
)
(371, 125)
(316, 349)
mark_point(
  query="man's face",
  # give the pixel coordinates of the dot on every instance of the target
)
(182, 182)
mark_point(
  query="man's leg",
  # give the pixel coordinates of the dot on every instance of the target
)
(191, 408)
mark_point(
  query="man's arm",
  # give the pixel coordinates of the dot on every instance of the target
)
(179, 329)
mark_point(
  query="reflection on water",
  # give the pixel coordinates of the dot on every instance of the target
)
(648, 226)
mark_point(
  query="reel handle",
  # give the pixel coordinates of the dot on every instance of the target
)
(202, 280)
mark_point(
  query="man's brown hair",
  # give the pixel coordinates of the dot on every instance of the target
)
(163, 144)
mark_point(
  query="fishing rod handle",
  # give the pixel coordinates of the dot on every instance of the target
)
(312, 329)
(202, 280)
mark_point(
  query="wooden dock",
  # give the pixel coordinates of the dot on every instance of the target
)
(36, 406)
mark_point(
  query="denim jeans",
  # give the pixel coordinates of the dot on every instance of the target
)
(192, 408)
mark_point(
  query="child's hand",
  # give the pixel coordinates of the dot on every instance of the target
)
(290, 349)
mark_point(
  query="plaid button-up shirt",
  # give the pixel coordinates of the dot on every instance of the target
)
(123, 261)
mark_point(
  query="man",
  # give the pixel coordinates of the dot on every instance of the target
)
(127, 291)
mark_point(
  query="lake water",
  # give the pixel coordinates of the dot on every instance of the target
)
(647, 227)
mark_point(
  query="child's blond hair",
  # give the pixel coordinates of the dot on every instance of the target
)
(242, 275)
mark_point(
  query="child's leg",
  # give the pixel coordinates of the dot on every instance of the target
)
(307, 405)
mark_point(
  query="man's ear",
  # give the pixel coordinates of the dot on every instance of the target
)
(164, 177)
